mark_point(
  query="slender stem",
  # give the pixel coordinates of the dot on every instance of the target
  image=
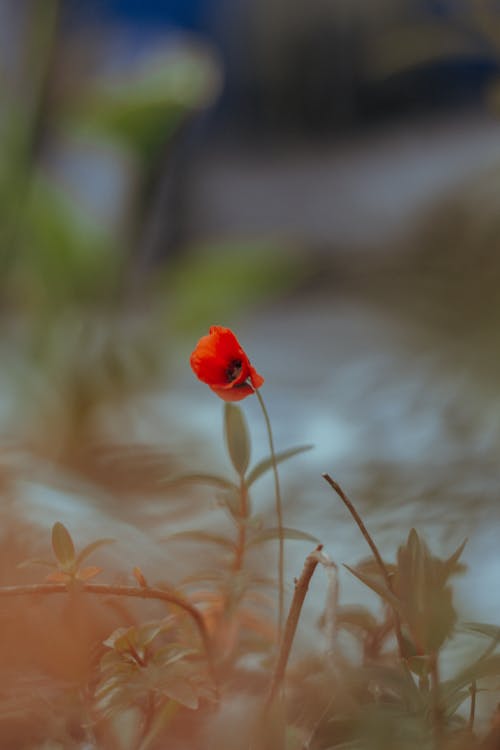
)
(44, 589)
(437, 715)
(242, 527)
(279, 516)
(301, 586)
(376, 554)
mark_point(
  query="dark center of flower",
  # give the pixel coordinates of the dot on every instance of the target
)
(234, 369)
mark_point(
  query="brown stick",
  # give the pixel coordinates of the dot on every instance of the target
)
(103, 589)
(301, 586)
(376, 554)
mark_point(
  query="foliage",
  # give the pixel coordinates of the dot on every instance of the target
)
(217, 641)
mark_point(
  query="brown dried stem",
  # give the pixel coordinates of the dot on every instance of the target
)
(301, 587)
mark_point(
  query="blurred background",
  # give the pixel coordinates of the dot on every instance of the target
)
(323, 177)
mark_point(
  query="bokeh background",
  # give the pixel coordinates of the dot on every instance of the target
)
(323, 177)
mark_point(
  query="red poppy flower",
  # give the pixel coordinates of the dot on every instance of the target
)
(221, 363)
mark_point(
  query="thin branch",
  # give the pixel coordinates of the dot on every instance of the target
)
(104, 589)
(376, 554)
(301, 587)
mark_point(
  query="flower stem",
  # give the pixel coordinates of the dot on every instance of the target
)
(279, 515)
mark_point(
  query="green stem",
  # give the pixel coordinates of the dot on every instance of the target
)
(279, 516)
(437, 714)
(242, 526)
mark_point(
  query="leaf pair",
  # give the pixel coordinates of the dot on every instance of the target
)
(238, 446)
(67, 566)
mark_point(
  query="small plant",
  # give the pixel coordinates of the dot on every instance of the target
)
(223, 636)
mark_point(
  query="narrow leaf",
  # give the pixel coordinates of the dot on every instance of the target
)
(87, 573)
(140, 578)
(490, 631)
(237, 438)
(450, 565)
(264, 465)
(36, 561)
(58, 576)
(63, 546)
(274, 533)
(378, 587)
(212, 480)
(201, 536)
(90, 548)
(181, 691)
(485, 667)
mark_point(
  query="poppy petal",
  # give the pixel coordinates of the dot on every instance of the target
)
(233, 394)
(255, 379)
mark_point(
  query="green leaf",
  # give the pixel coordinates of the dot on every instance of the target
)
(237, 438)
(201, 536)
(484, 667)
(490, 631)
(419, 665)
(90, 548)
(379, 587)
(63, 546)
(450, 565)
(274, 533)
(212, 480)
(264, 465)
(455, 701)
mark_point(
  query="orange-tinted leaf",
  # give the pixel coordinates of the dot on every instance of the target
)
(87, 573)
(90, 548)
(139, 577)
(58, 576)
(182, 692)
(36, 561)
